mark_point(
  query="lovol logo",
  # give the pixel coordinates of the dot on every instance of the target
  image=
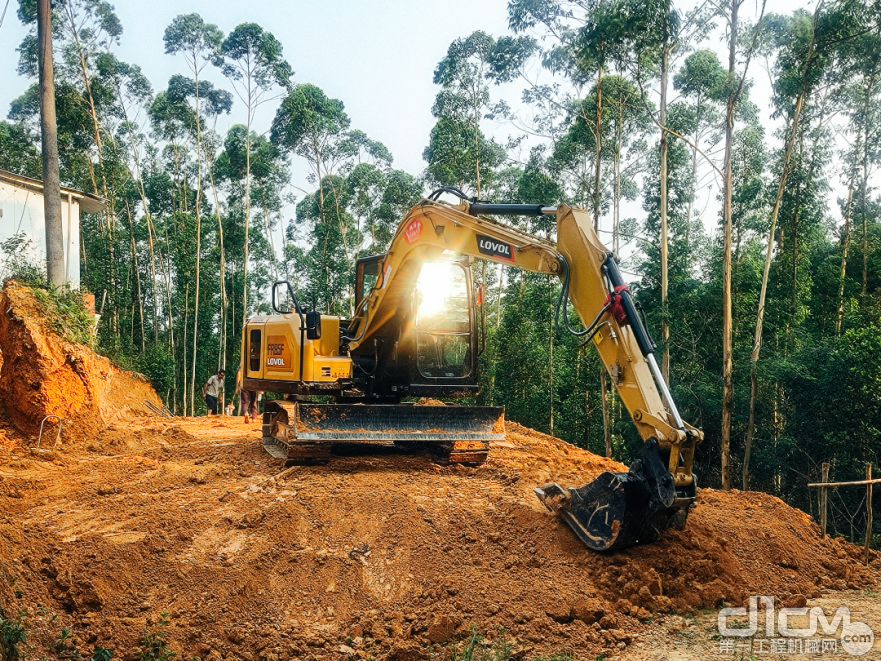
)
(490, 246)
(277, 353)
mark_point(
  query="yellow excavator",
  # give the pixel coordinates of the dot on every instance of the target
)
(415, 333)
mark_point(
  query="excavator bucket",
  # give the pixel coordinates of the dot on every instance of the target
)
(303, 433)
(618, 510)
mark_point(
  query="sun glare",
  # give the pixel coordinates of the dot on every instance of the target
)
(437, 283)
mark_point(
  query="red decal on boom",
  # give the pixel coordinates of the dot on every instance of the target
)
(413, 231)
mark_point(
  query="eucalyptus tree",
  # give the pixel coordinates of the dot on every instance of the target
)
(365, 184)
(735, 87)
(458, 152)
(315, 127)
(702, 83)
(84, 29)
(401, 191)
(18, 150)
(253, 62)
(809, 48)
(365, 179)
(132, 93)
(862, 94)
(199, 43)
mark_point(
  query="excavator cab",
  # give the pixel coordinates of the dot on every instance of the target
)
(434, 332)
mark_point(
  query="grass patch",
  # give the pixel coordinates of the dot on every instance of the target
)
(64, 647)
(154, 644)
(12, 634)
(477, 648)
(65, 310)
(66, 314)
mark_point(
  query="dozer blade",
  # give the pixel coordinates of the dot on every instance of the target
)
(618, 510)
(461, 434)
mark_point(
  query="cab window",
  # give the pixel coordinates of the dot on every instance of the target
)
(254, 351)
(367, 273)
(443, 321)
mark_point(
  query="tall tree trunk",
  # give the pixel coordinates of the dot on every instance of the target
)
(727, 321)
(221, 356)
(151, 230)
(760, 314)
(96, 124)
(198, 211)
(268, 226)
(867, 121)
(616, 211)
(134, 250)
(184, 344)
(845, 245)
(607, 426)
(49, 140)
(665, 329)
(248, 215)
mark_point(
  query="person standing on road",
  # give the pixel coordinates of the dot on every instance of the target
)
(211, 391)
(247, 400)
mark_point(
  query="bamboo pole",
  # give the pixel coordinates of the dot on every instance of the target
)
(846, 484)
(869, 482)
(823, 494)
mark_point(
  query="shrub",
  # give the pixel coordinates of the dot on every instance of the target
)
(154, 643)
(12, 633)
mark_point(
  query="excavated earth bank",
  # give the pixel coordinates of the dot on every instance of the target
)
(381, 555)
(42, 374)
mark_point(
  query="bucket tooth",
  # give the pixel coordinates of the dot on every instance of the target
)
(618, 510)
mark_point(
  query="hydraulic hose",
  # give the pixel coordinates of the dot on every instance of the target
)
(366, 321)
(563, 303)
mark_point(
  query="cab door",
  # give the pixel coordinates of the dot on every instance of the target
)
(444, 321)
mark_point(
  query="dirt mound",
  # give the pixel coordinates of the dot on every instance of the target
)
(42, 374)
(375, 555)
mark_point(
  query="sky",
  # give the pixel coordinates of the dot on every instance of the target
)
(377, 56)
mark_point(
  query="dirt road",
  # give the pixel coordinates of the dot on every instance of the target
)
(372, 555)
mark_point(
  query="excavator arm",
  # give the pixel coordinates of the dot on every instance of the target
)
(617, 509)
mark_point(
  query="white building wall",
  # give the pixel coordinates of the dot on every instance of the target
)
(21, 212)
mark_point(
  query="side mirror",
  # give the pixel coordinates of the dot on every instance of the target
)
(286, 307)
(313, 325)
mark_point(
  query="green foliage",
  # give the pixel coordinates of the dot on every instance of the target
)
(17, 266)
(66, 313)
(154, 645)
(18, 151)
(101, 654)
(308, 120)
(477, 648)
(458, 153)
(157, 364)
(191, 35)
(250, 52)
(64, 647)
(13, 633)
